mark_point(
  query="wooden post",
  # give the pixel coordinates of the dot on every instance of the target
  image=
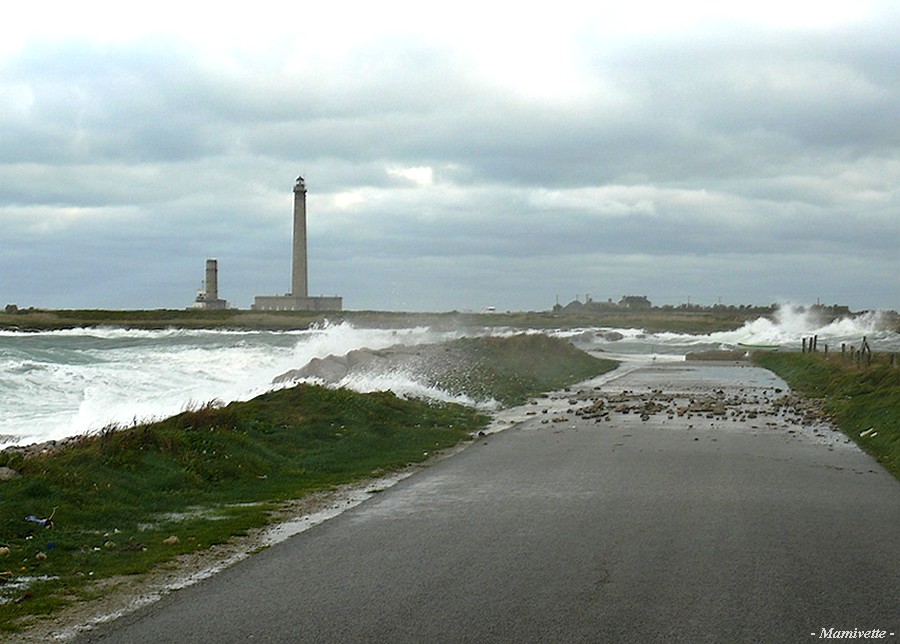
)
(815, 343)
(804, 346)
(866, 350)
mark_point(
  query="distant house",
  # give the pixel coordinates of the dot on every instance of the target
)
(635, 302)
(599, 307)
(588, 306)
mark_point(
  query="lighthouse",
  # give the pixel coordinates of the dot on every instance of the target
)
(299, 283)
(298, 299)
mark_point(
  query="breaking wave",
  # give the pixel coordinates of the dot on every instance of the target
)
(64, 383)
(789, 326)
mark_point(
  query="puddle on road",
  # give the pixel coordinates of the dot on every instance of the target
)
(346, 500)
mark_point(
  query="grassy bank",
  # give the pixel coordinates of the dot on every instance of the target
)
(127, 500)
(864, 401)
(200, 476)
(508, 370)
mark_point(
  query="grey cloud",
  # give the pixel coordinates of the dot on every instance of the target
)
(78, 103)
(730, 175)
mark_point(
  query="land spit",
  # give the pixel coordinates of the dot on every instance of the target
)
(702, 400)
(677, 502)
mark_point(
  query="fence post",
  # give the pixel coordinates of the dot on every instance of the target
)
(867, 350)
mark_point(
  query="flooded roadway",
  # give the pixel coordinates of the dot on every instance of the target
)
(673, 502)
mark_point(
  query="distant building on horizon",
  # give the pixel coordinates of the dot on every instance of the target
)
(635, 302)
(208, 296)
(298, 299)
(631, 302)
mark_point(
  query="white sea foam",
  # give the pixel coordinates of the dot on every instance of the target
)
(405, 385)
(64, 383)
(789, 326)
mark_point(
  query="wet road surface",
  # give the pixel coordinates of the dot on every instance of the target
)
(683, 502)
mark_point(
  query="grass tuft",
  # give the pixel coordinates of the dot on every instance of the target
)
(863, 399)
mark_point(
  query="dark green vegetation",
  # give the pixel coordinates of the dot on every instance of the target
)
(651, 320)
(45, 320)
(864, 400)
(202, 475)
(210, 473)
(510, 370)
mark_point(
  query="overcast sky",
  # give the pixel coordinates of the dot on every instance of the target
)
(457, 156)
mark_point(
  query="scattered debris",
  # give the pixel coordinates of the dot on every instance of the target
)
(44, 523)
(769, 405)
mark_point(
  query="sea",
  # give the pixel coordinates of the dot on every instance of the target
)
(58, 384)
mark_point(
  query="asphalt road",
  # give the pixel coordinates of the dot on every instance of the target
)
(699, 527)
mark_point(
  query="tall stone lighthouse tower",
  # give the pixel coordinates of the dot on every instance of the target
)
(299, 283)
(298, 299)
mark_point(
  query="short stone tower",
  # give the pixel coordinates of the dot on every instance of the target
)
(208, 296)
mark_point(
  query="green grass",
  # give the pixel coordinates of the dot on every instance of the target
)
(203, 476)
(859, 398)
(216, 471)
(511, 369)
